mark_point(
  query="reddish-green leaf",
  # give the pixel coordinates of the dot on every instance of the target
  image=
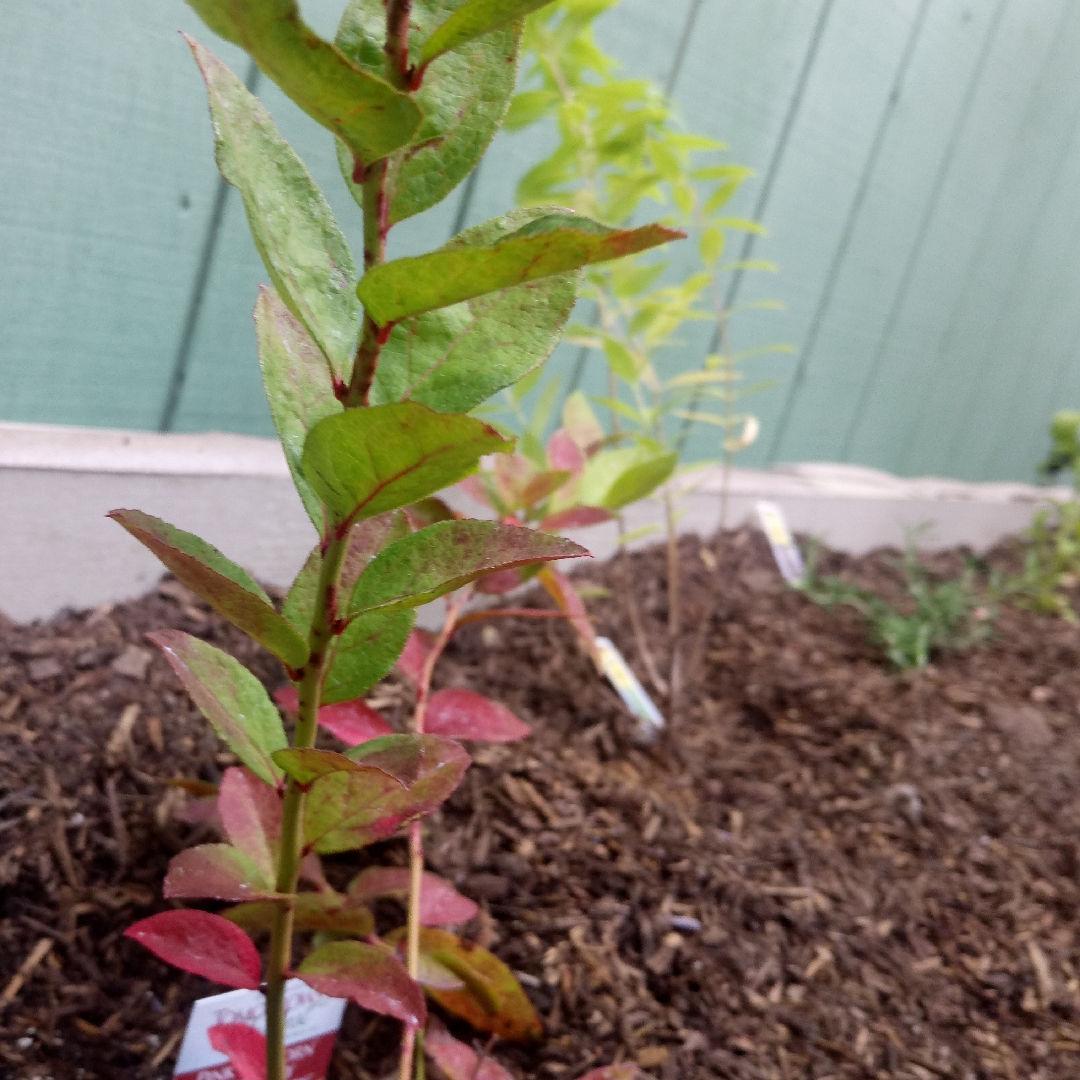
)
(366, 113)
(243, 1046)
(311, 911)
(227, 588)
(299, 383)
(346, 811)
(372, 978)
(497, 584)
(553, 244)
(491, 998)
(217, 872)
(353, 722)
(458, 1061)
(564, 453)
(365, 462)
(440, 903)
(366, 653)
(306, 765)
(475, 19)
(428, 511)
(562, 591)
(203, 944)
(413, 657)
(580, 423)
(400, 756)
(577, 517)
(447, 555)
(250, 813)
(230, 697)
(464, 714)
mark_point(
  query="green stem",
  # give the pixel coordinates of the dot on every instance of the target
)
(292, 811)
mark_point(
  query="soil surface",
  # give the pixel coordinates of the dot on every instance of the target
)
(827, 869)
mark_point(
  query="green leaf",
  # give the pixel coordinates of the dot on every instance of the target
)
(365, 653)
(366, 113)
(581, 423)
(445, 556)
(228, 589)
(291, 222)
(456, 357)
(640, 480)
(615, 478)
(217, 871)
(472, 20)
(528, 107)
(555, 243)
(623, 360)
(305, 765)
(366, 539)
(230, 697)
(464, 96)
(365, 462)
(299, 386)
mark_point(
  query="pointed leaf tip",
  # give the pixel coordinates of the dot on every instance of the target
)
(440, 903)
(203, 944)
(243, 1046)
(457, 1060)
(464, 714)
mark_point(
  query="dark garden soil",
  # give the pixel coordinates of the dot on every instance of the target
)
(827, 870)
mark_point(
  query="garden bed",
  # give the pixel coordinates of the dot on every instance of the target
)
(826, 870)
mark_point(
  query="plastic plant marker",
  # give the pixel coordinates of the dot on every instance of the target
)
(218, 872)
(292, 224)
(203, 944)
(299, 381)
(367, 461)
(456, 357)
(463, 98)
(368, 115)
(457, 1060)
(556, 243)
(369, 976)
(243, 1046)
(353, 722)
(413, 657)
(228, 589)
(443, 557)
(440, 903)
(464, 714)
(311, 912)
(230, 697)
(474, 19)
(492, 999)
(250, 813)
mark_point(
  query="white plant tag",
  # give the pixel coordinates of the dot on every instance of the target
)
(629, 689)
(312, 1021)
(788, 558)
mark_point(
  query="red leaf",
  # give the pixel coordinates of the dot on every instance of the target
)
(353, 722)
(564, 453)
(199, 812)
(311, 871)
(473, 487)
(411, 661)
(250, 812)
(440, 903)
(216, 871)
(458, 1061)
(243, 1046)
(203, 944)
(463, 714)
(369, 976)
(625, 1070)
(577, 517)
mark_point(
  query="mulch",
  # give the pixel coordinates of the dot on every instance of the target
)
(825, 869)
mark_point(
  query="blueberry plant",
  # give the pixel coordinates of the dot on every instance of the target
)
(371, 376)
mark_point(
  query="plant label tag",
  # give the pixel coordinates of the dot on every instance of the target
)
(312, 1021)
(787, 555)
(626, 684)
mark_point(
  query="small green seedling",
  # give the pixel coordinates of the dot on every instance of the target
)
(371, 375)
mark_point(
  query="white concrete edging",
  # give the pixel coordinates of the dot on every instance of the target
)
(58, 550)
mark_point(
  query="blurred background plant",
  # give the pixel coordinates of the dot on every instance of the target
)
(621, 144)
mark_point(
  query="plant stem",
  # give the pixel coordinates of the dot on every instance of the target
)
(416, 838)
(292, 812)
(674, 598)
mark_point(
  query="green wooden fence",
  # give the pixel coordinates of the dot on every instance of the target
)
(918, 169)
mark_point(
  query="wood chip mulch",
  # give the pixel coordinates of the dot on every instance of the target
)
(827, 870)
